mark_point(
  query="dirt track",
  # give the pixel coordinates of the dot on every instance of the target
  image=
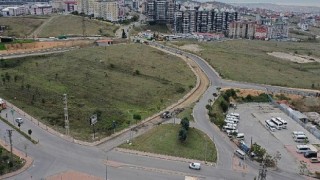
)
(29, 47)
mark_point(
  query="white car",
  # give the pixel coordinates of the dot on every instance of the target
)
(195, 165)
(19, 120)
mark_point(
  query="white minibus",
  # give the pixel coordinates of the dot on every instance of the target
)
(284, 122)
(302, 148)
(277, 123)
(270, 125)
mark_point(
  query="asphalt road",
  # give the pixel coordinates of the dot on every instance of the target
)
(54, 155)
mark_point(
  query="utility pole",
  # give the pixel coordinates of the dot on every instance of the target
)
(66, 117)
(205, 154)
(107, 169)
(10, 139)
(262, 171)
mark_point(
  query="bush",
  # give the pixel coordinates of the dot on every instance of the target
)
(224, 106)
(185, 123)
(182, 135)
(137, 116)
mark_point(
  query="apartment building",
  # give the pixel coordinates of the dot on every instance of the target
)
(196, 18)
(14, 11)
(242, 29)
(108, 10)
(161, 11)
(278, 30)
(255, 30)
(40, 9)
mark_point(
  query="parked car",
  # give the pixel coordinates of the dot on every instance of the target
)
(19, 120)
(314, 160)
(165, 115)
(310, 154)
(195, 165)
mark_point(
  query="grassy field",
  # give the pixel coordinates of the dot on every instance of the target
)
(247, 60)
(97, 80)
(164, 140)
(21, 26)
(6, 167)
(72, 25)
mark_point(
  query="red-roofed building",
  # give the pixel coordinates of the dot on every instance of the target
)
(261, 32)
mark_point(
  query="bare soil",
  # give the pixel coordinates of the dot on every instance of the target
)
(28, 47)
(294, 57)
(191, 47)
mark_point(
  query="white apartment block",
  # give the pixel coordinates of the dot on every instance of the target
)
(14, 11)
(40, 9)
(108, 10)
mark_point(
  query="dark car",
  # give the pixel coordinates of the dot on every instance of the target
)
(165, 115)
(310, 154)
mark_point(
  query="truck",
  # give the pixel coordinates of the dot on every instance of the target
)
(3, 104)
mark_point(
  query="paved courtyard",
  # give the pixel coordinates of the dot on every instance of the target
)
(252, 124)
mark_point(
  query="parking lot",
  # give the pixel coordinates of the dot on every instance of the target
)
(252, 124)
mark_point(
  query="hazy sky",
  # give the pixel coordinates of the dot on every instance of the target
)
(286, 2)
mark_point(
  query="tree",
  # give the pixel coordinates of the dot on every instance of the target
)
(123, 34)
(185, 123)
(137, 117)
(182, 135)
(224, 106)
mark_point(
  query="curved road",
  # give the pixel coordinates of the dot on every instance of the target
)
(54, 155)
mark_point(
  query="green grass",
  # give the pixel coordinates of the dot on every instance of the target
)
(187, 112)
(248, 61)
(164, 140)
(21, 26)
(2, 46)
(72, 25)
(6, 167)
(95, 79)
(216, 114)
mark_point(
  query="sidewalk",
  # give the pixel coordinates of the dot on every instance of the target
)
(28, 160)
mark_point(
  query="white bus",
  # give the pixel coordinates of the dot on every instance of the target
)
(284, 122)
(270, 125)
(277, 123)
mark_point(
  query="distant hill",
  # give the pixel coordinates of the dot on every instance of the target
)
(280, 8)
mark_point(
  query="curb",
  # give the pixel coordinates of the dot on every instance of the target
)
(164, 157)
(28, 161)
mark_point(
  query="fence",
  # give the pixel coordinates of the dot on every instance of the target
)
(284, 108)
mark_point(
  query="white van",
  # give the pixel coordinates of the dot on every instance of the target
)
(237, 115)
(233, 119)
(270, 125)
(231, 124)
(296, 133)
(240, 154)
(301, 138)
(284, 122)
(302, 148)
(240, 136)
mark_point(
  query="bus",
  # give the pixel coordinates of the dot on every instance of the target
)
(277, 123)
(270, 125)
(284, 122)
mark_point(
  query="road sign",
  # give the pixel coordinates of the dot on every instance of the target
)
(93, 119)
(12, 111)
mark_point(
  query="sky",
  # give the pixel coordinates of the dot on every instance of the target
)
(282, 2)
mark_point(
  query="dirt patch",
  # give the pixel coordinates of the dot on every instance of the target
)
(191, 47)
(294, 57)
(27, 47)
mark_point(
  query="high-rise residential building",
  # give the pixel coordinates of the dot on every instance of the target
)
(160, 11)
(108, 10)
(196, 18)
(242, 29)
